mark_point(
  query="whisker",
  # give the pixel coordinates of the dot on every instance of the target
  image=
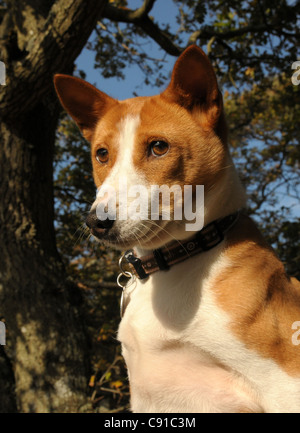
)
(169, 234)
(83, 232)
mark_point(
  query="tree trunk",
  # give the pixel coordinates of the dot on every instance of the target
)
(44, 366)
(44, 333)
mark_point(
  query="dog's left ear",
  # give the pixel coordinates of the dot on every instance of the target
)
(194, 84)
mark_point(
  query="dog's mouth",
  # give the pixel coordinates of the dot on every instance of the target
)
(147, 234)
(111, 238)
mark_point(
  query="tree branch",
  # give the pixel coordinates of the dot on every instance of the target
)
(144, 9)
(140, 18)
(90, 284)
(127, 15)
(65, 32)
(207, 34)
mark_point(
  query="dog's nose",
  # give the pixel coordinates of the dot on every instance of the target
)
(97, 226)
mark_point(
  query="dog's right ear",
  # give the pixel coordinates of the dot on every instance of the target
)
(85, 104)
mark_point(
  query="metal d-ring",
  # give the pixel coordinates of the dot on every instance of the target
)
(123, 274)
(126, 274)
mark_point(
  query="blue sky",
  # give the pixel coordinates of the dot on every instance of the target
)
(164, 11)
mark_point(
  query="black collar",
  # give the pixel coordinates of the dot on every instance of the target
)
(163, 258)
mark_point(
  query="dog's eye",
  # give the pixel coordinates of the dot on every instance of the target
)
(159, 148)
(102, 155)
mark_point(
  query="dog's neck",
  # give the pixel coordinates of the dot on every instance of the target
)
(226, 196)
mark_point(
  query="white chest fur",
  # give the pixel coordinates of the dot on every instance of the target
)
(181, 354)
(168, 349)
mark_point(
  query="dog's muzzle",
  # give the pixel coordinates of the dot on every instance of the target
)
(98, 227)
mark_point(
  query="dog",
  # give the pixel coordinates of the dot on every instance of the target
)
(208, 314)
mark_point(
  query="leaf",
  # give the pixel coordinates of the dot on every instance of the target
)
(92, 381)
(116, 384)
(108, 376)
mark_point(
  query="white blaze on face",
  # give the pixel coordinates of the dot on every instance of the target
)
(123, 176)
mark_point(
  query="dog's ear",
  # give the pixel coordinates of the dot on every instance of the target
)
(85, 104)
(194, 84)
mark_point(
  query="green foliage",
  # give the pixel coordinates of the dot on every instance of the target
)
(117, 46)
(263, 126)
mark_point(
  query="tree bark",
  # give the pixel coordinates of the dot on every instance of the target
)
(45, 368)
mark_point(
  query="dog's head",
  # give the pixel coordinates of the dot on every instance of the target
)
(175, 140)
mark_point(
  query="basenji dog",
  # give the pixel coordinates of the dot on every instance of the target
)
(209, 314)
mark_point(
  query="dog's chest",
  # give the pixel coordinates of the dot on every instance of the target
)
(168, 333)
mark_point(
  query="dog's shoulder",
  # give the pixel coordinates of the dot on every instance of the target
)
(261, 299)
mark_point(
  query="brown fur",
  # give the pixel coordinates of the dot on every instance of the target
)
(259, 296)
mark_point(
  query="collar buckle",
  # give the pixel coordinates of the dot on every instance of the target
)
(136, 263)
